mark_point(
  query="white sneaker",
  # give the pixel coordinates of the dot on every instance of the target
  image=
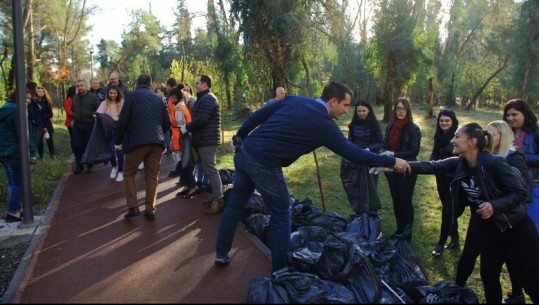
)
(113, 173)
(120, 177)
(141, 165)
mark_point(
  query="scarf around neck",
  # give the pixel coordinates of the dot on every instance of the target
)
(396, 132)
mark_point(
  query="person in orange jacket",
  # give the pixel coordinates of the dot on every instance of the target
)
(179, 117)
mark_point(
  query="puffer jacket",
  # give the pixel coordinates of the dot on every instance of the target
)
(143, 120)
(498, 184)
(9, 132)
(409, 143)
(205, 126)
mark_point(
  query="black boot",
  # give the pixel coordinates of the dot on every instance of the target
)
(454, 244)
(132, 212)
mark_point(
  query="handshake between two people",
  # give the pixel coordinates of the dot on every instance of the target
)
(401, 165)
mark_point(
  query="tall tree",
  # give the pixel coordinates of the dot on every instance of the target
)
(393, 52)
(274, 36)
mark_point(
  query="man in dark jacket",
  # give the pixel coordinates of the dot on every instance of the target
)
(141, 133)
(85, 104)
(205, 129)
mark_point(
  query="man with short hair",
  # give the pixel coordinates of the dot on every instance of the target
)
(114, 78)
(141, 133)
(85, 104)
(274, 137)
(280, 94)
(95, 88)
(205, 129)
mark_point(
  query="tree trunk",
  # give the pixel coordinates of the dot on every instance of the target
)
(487, 81)
(31, 56)
(530, 53)
(430, 114)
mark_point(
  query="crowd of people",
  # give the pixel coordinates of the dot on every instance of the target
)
(491, 170)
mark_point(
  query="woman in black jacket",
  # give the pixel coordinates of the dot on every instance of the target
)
(446, 125)
(496, 196)
(361, 188)
(402, 140)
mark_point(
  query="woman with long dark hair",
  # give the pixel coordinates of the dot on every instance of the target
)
(360, 187)
(446, 126)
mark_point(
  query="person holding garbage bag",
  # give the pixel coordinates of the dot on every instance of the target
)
(274, 137)
(496, 196)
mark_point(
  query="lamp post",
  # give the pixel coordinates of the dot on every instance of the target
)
(92, 63)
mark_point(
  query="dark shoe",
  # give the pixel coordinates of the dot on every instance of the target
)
(173, 174)
(149, 215)
(89, 169)
(222, 261)
(514, 299)
(183, 190)
(454, 244)
(11, 218)
(132, 212)
(192, 192)
(78, 170)
(217, 206)
(207, 202)
(438, 250)
(397, 234)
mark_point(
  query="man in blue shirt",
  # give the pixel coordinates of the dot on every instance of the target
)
(275, 136)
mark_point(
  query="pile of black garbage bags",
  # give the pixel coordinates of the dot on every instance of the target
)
(333, 259)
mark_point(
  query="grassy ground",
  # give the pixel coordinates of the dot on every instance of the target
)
(302, 180)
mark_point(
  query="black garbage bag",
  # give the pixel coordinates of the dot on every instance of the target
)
(360, 187)
(405, 250)
(313, 233)
(263, 291)
(305, 257)
(302, 288)
(304, 234)
(337, 293)
(407, 275)
(287, 287)
(375, 250)
(446, 292)
(312, 216)
(98, 149)
(227, 176)
(188, 154)
(333, 261)
(296, 240)
(258, 224)
(369, 225)
(363, 279)
(255, 205)
(394, 295)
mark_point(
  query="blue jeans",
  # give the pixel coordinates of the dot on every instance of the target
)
(13, 172)
(270, 183)
(116, 153)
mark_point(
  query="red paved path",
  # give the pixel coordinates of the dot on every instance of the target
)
(90, 254)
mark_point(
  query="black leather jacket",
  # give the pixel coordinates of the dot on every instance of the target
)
(498, 184)
(409, 143)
